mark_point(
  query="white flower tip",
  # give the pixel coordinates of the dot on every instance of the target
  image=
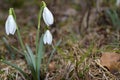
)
(47, 38)
(47, 16)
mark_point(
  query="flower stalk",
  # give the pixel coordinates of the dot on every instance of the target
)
(39, 20)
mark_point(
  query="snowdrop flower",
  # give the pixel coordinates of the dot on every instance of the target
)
(47, 38)
(47, 16)
(10, 25)
(117, 2)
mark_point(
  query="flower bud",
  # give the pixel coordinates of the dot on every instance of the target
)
(47, 16)
(47, 38)
(10, 25)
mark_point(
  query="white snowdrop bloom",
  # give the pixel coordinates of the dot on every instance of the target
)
(47, 16)
(117, 2)
(47, 38)
(10, 25)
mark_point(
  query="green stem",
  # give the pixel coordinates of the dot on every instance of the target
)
(20, 39)
(44, 4)
(12, 12)
(38, 30)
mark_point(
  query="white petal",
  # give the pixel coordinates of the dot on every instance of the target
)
(7, 26)
(44, 39)
(13, 32)
(48, 16)
(47, 39)
(12, 25)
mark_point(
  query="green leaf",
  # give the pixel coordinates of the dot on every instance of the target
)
(30, 65)
(30, 61)
(39, 56)
(31, 55)
(17, 50)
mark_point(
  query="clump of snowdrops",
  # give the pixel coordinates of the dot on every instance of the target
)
(33, 59)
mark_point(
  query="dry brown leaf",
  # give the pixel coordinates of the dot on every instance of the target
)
(111, 61)
(52, 66)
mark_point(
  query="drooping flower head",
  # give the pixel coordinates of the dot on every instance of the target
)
(47, 16)
(47, 38)
(10, 25)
